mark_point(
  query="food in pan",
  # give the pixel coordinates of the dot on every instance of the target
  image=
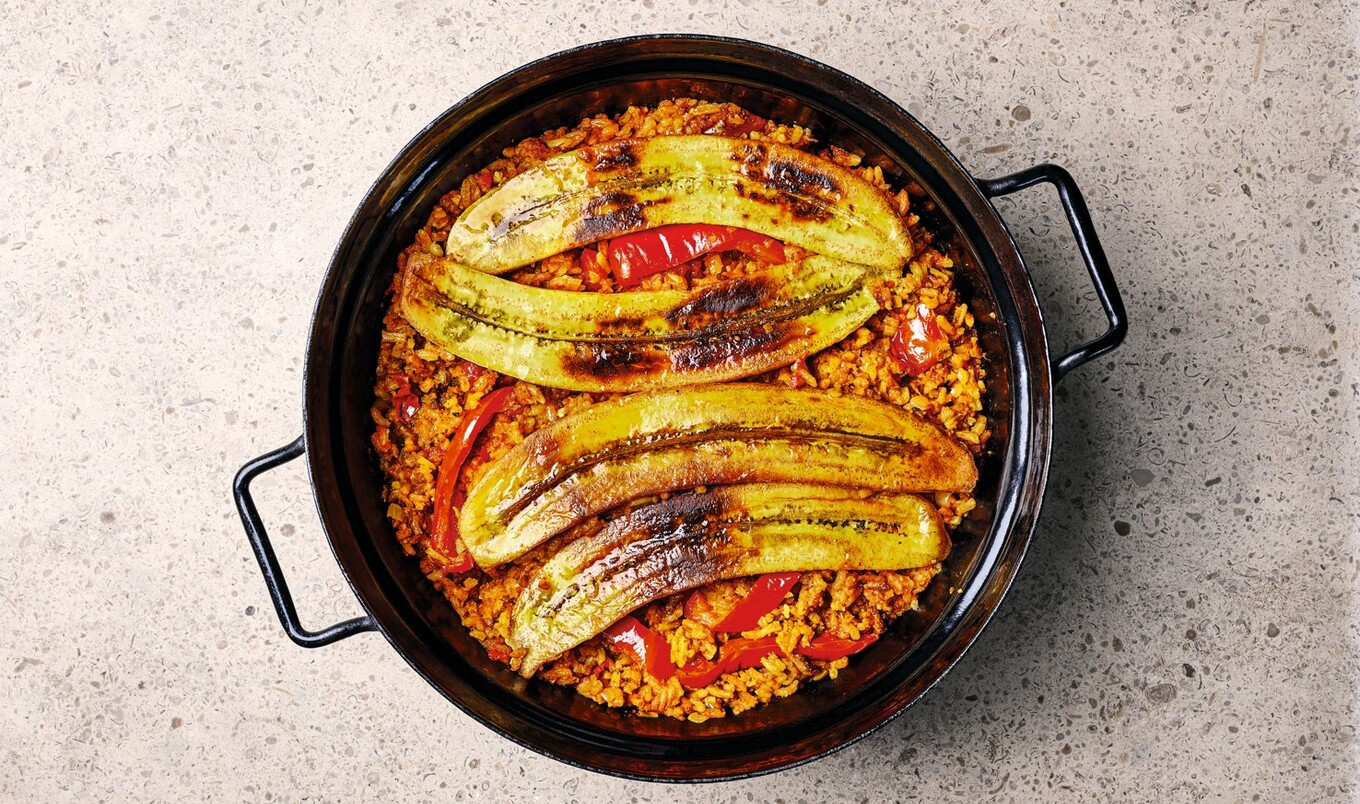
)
(678, 407)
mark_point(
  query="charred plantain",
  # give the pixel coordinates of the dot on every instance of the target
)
(635, 341)
(694, 539)
(645, 444)
(606, 190)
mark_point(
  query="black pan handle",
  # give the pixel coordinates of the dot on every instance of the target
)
(1084, 231)
(269, 563)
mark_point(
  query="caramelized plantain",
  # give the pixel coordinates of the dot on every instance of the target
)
(632, 341)
(693, 539)
(651, 443)
(606, 190)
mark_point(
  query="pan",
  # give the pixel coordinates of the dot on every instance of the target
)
(776, 84)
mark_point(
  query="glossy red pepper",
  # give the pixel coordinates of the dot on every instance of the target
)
(768, 590)
(405, 402)
(646, 645)
(827, 648)
(737, 654)
(589, 260)
(919, 343)
(741, 653)
(634, 257)
(447, 494)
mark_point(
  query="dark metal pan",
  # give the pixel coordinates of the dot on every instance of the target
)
(422, 627)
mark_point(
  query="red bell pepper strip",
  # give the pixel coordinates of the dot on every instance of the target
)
(634, 257)
(737, 654)
(444, 534)
(741, 653)
(646, 645)
(918, 343)
(768, 590)
(405, 402)
(828, 648)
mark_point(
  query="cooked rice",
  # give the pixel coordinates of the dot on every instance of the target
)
(845, 604)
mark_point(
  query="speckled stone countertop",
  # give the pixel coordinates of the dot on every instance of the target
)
(174, 176)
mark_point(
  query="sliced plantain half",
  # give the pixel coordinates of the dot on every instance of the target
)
(694, 539)
(616, 451)
(634, 341)
(606, 190)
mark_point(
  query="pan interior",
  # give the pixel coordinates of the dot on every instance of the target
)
(416, 618)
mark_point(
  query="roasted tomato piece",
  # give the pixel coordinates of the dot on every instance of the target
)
(919, 343)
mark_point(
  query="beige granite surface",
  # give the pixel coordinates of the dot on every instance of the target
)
(174, 175)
